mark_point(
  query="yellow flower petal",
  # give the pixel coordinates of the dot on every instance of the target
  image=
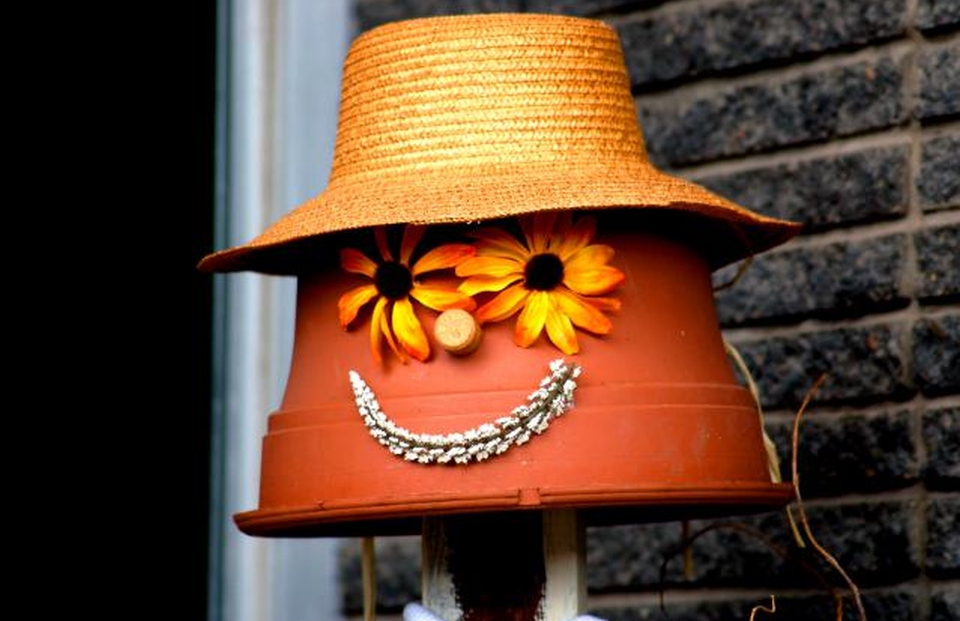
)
(356, 262)
(589, 257)
(409, 331)
(559, 328)
(412, 234)
(479, 284)
(391, 341)
(442, 298)
(594, 281)
(443, 257)
(532, 318)
(490, 267)
(376, 330)
(582, 313)
(504, 305)
(352, 301)
(380, 235)
(576, 237)
(493, 242)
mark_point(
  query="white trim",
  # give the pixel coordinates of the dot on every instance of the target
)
(279, 90)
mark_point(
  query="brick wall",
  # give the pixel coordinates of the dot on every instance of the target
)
(845, 115)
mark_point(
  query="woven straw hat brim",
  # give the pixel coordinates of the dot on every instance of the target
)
(470, 118)
(435, 199)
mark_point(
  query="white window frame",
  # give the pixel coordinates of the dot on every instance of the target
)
(278, 77)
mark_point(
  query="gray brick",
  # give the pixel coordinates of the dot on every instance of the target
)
(693, 39)
(864, 364)
(936, 354)
(825, 192)
(584, 8)
(883, 606)
(939, 81)
(852, 453)
(945, 605)
(933, 14)
(629, 556)
(941, 435)
(398, 573)
(844, 278)
(938, 259)
(943, 537)
(685, 127)
(939, 183)
(874, 542)
(372, 13)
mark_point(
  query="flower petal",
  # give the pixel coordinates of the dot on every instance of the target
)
(532, 318)
(504, 305)
(538, 229)
(391, 341)
(582, 313)
(356, 262)
(590, 257)
(559, 328)
(490, 267)
(481, 284)
(493, 242)
(594, 281)
(380, 235)
(443, 257)
(352, 301)
(606, 305)
(409, 331)
(561, 224)
(376, 330)
(441, 298)
(412, 234)
(576, 237)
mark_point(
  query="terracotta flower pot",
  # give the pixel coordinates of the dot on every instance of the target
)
(660, 429)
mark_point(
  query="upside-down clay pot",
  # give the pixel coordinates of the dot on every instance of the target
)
(660, 428)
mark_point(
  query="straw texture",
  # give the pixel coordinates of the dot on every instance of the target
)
(467, 118)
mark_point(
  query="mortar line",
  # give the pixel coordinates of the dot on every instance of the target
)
(717, 594)
(828, 410)
(749, 334)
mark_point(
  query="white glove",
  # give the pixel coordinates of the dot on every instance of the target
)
(416, 612)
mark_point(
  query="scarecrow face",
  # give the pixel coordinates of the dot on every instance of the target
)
(493, 116)
(379, 421)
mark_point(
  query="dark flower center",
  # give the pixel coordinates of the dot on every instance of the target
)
(543, 272)
(394, 280)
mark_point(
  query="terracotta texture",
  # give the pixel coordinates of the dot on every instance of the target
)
(660, 422)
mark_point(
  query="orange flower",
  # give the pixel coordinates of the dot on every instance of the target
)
(554, 276)
(395, 281)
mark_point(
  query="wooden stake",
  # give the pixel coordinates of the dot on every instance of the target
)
(521, 566)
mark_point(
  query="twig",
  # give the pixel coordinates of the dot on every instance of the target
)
(773, 460)
(772, 609)
(741, 270)
(746, 530)
(803, 513)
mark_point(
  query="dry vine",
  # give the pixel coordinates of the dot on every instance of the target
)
(687, 539)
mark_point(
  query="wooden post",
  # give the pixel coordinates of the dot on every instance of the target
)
(520, 566)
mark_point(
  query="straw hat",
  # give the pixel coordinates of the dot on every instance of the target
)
(467, 118)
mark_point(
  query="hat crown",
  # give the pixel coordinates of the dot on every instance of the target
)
(485, 91)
